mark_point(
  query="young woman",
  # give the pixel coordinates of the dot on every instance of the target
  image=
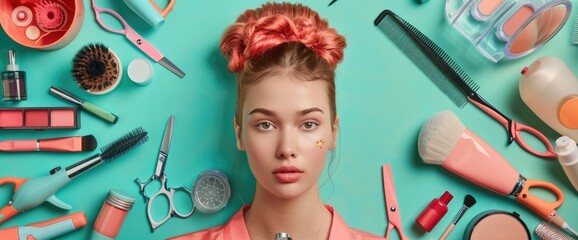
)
(284, 56)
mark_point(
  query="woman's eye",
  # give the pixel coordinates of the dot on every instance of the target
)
(310, 125)
(264, 125)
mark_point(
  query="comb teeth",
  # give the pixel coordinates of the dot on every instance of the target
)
(575, 31)
(123, 144)
(433, 61)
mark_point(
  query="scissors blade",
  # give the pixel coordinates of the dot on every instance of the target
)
(171, 67)
(392, 208)
(165, 146)
(332, 2)
(151, 51)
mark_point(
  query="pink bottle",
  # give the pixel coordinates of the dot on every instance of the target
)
(111, 216)
(434, 212)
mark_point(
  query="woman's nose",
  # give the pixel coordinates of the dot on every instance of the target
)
(286, 146)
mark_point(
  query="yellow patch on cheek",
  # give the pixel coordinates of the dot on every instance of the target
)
(320, 144)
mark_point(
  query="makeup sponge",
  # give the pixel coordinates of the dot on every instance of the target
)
(526, 39)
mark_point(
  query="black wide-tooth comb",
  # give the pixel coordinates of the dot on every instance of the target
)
(428, 56)
(449, 77)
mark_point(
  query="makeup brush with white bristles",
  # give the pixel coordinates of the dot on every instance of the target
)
(445, 141)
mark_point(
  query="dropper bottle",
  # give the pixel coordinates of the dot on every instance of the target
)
(13, 80)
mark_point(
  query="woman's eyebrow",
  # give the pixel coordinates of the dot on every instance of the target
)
(262, 111)
(309, 110)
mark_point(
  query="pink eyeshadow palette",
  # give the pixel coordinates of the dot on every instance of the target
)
(39, 118)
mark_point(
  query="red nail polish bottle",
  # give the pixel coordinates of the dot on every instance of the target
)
(434, 212)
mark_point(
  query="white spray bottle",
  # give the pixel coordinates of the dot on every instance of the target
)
(568, 156)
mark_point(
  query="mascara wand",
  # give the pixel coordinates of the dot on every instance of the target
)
(30, 193)
(469, 201)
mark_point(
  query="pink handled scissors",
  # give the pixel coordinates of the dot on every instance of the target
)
(393, 217)
(514, 128)
(136, 39)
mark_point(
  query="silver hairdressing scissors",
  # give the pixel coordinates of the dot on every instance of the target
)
(160, 176)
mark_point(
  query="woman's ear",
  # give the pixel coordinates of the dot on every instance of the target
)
(335, 130)
(240, 144)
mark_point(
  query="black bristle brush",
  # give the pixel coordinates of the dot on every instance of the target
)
(96, 68)
(31, 192)
(469, 201)
(109, 152)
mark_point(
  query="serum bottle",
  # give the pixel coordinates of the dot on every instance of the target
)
(13, 80)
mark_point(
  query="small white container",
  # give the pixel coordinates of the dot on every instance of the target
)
(568, 157)
(140, 71)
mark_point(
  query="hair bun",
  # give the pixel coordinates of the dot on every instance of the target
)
(258, 30)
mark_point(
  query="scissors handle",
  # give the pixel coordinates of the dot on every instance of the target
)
(545, 209)
(514, 128)
(169, 194)
(142, 186)
(99, 10)
(9, 211)
(17, 182)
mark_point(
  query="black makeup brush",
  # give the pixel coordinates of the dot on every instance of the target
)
(469, 201)
(96, 68)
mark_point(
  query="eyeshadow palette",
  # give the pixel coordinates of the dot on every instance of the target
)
(39, 118)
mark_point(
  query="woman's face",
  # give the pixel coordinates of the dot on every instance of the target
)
(287, 132)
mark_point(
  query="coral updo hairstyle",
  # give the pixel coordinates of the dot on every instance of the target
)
(285, 38)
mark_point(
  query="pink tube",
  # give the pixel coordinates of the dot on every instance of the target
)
(473, 159)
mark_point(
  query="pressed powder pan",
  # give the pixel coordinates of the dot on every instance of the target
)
(497, 225)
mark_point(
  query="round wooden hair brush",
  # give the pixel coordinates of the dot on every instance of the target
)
(96, 69)
(445, 141)
(547, 231)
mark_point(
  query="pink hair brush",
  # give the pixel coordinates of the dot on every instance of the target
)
(445, 141)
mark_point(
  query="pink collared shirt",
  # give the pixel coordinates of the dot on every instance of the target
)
(236, 229)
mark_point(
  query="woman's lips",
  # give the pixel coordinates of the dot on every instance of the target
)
(288, 174)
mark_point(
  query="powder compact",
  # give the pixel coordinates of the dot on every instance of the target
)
(497, 225)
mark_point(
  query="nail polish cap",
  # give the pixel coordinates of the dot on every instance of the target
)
(446, 198)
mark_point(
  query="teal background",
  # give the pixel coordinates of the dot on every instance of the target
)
(383, 100)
